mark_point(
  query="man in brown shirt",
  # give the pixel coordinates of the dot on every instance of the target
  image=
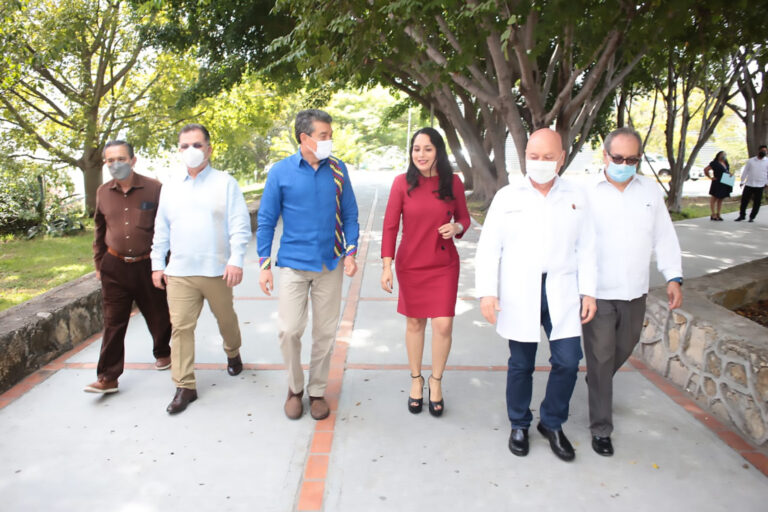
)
(125, 222)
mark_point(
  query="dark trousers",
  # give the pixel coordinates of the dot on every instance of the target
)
(609, 340)
(121, 284)
(565, 357)
(755, 194)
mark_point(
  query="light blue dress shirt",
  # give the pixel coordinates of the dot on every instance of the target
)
(204, 223)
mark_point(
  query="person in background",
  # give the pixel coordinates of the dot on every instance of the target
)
(754, 178)
(718, 190)
(430, 200)
(125, 222)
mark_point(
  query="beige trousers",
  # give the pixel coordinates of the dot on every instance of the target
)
(185, 301)
(324, 288)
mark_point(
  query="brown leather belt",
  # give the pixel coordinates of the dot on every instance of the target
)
(127, 259)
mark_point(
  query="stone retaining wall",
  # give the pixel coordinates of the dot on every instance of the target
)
(717, 356)
(41, 329)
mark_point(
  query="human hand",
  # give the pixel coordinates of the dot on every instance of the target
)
(588, 309)
(386, 279)
(350, 265)
(159, 279)
(98, 275)
(232, 275)
(267, 281)
(674, 294)
(488, 307)
(448, 230)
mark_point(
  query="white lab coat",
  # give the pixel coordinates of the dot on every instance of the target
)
(523, 233)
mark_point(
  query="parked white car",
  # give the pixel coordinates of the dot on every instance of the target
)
(658, 163)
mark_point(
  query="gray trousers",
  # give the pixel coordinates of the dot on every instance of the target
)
(609, 340)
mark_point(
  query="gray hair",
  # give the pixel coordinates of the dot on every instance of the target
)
(112, 143)
(305, 118)
(624, 130)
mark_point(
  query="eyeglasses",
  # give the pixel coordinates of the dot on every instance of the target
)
(618, 159)
(197, 145)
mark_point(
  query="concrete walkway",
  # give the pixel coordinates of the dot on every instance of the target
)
(233, 449)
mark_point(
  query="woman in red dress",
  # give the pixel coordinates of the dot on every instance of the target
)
(430, 199)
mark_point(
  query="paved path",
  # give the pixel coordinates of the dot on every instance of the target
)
(233, 449)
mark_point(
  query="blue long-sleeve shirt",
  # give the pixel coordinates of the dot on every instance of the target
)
(306, 199)
(204, 222)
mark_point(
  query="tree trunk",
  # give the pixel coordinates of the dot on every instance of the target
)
(91, 165)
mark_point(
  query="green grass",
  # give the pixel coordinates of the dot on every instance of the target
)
(697, 210)
(253, 192)
(31, 267)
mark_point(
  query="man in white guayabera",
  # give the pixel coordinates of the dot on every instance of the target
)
(203, 221)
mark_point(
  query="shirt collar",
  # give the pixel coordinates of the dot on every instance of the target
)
(136, 182)
(529, 185)
(202, 174)
(297, 160)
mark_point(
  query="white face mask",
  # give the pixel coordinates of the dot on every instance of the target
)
(324, 148)
(541, 171)
(192, 157)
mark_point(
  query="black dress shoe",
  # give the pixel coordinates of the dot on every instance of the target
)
(558, 442)
(739, 219)
(234, 365)
(518, 441)
(181, 400)
(602, 445)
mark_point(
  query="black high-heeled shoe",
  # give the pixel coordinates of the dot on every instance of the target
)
(433, 406)
(415, 404)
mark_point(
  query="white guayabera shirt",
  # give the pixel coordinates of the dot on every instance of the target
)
(630, 227)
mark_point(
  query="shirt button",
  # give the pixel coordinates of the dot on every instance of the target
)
(130, 250)
(127, 236)
(126, 209)
(126, 223)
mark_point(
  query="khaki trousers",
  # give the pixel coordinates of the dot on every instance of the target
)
(324, 288)
(185, 300)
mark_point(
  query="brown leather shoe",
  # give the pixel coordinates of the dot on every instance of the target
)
(234, 365)
(163, 363)
(102, 386)
(293, 406)
(318, 407)
(181, 400)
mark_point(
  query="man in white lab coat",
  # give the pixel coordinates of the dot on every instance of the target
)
(631, 224)
(536, 268)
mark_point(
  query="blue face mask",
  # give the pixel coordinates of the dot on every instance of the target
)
(620, 172)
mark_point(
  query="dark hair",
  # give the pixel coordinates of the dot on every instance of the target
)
(305, 118)
(717, 159)
(624, 130)
(444, 170)
(194, 126)
(117, 143)
(762, 146)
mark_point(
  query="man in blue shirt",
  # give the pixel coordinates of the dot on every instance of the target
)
(203, 221)
(312, 193)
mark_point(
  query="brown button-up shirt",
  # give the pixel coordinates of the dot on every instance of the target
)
(125, 221)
